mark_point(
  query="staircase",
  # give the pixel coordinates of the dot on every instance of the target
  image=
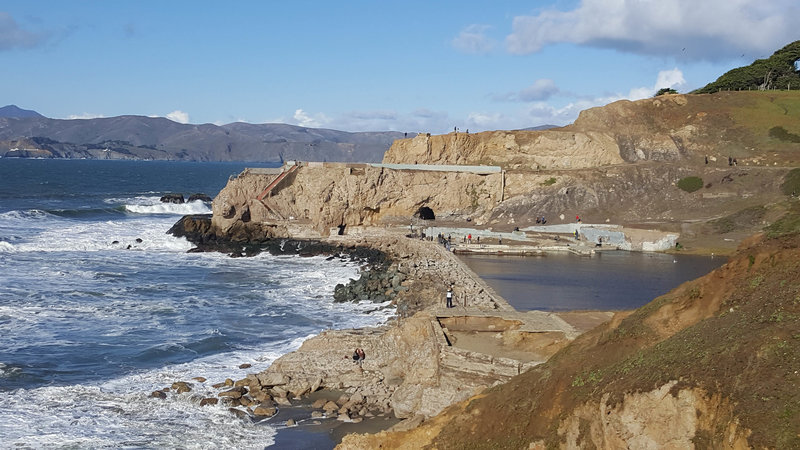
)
(275, 182)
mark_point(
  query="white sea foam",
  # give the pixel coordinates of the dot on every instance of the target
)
(92, 416)
(26, 215)
(72, 288)
(135, 234)
(154, 205)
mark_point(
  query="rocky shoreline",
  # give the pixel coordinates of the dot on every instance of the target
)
(413, 368)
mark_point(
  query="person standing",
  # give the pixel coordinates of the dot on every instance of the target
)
(450, 297)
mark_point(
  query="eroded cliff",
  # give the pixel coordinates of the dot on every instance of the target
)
(678, 128)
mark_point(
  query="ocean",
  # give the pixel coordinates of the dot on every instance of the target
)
(99, 307)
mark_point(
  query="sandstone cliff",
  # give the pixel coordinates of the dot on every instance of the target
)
(681, 128)
(324, 196)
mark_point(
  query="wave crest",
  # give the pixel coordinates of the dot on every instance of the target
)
(195, 207)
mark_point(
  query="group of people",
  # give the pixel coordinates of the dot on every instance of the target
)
(731, 160)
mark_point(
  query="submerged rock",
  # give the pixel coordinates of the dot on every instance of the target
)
(181, 387)
(158, 394)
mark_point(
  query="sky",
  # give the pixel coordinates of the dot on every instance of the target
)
(415, 66)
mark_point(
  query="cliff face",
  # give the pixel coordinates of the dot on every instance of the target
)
(678, 128)
(326, 196)
(551, 149)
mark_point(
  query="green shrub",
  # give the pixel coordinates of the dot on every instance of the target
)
(781, 134)
(791, 182)
(690, 184)
(549, 182)
(663, 91)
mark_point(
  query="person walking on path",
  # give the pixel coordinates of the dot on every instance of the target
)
(450, 297)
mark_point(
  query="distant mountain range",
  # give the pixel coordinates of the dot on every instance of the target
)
(15, 111)
(28, 134)
(540, 128)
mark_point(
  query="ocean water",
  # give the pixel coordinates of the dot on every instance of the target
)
(99, 307)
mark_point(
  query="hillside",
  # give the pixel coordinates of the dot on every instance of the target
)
(138, 137)
(624, 163)
(779, 71)
(712, 364)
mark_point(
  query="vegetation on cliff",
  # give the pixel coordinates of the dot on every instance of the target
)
(778, 71)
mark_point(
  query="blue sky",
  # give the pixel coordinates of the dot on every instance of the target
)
(369, 66)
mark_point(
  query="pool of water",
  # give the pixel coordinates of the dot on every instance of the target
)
(613, 280)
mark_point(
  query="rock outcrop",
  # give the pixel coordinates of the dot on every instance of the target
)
(550, 149)
(677, 128)
(321, 197)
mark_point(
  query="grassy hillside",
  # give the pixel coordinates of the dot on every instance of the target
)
(733, 334)
(777, 71)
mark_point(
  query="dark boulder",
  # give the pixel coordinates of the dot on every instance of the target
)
(172, 198)
(158, 394)
(181, 387)
(209, 401)
(201, 197)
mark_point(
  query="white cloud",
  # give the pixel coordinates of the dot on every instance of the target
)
(12, 36)
(473, 39)
(541, 89)
(684, 29)
(85, 116)
(304, 119)
(666, 79)
(178, 116)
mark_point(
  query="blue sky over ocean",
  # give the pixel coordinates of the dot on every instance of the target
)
(373, 66)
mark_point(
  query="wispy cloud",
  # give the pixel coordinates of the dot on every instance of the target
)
(473, 39)
(684, 29)
(541, 89)
(178, 116)
(85, 116)
(305, 119)
(12, 36)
